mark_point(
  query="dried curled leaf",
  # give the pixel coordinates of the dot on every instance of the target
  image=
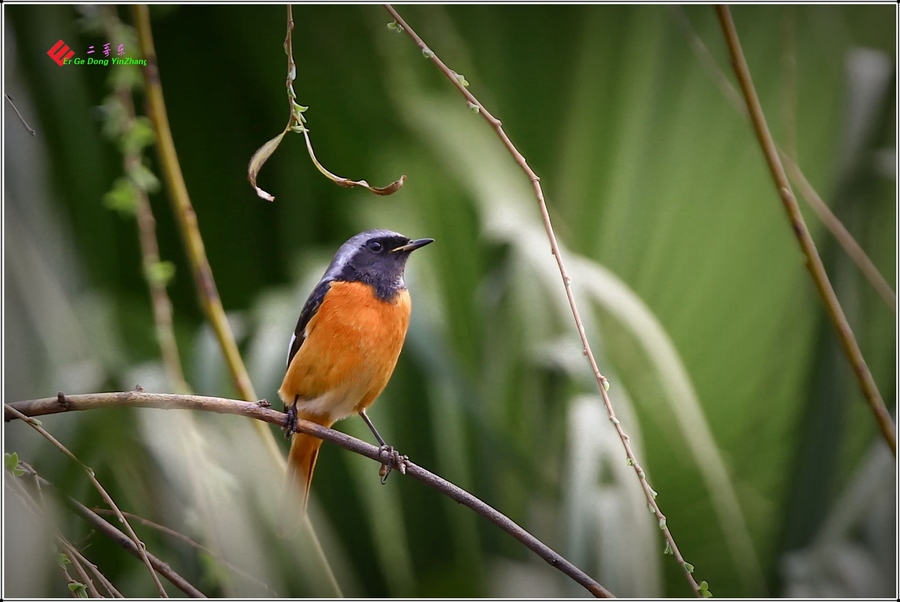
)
(347, 183)
(259, 159)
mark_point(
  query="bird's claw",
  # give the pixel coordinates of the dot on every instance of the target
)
(290, 421)
(394, 458)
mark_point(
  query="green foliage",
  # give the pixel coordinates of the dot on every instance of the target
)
(727, 377)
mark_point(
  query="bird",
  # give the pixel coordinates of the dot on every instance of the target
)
(346, 344)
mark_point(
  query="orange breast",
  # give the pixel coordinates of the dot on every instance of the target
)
(351, 347)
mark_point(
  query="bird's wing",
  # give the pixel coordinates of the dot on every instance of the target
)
(309, 310)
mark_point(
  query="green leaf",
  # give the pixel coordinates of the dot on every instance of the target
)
(139, 136)
(11, 462)
(123, 197)
(62, 560)
(688, 567)
(160, 273)
(427, 53)
(80, 589)
(143, 178)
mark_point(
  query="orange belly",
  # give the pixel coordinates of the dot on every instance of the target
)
(349, 353)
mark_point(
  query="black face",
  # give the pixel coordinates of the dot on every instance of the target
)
(377, 258)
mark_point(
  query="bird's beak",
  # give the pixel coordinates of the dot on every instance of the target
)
(413, 245)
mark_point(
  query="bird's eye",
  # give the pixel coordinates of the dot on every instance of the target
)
(375, 246)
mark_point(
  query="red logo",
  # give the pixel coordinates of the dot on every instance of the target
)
(60, 53)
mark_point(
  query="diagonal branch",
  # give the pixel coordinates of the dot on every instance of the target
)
(139, 545)
(813, 262)
(602, 383)
(261, 412)
(107, 529)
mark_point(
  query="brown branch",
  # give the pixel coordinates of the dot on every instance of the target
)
(107, 529)
(38, 509)
(132, 160)
(187, 222)
(602, 382)
(261, 412)
(831, 221)
(190, 542)
(35, 424)
(813, 262)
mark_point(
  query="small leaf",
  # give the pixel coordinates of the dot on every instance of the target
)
(704, 590)
(605, 383)
(143, 178)
(123, 197)
(427, 53)
(11, 462)
(662, 523)
(668, 549)
(62, 560)
(474, 107)
(395, 27)
(688, 567)
(80, 589)
(259, 159)
(139, 136)
(629, 461)
(160, 273)
(461, 79)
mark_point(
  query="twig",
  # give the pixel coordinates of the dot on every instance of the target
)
(260, 411)
(813, 262)
(834, 225)
(107, 529)
(297, 124)
(159, 297)
(188, 541)
(187, 223)
(16, 109)
(602, 382)
(38, 509)
(35, 424)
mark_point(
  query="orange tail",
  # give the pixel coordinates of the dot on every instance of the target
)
(301, 464)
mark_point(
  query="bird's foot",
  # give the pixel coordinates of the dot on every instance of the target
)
(394, 459)
(290, 421)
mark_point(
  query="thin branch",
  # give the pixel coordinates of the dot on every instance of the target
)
(107, 529)
(813, 262)
(16, 109)
(297, 124)
(38, 509)
(35, 424)
(187, 223)
(131, 161)
(602, 382)
(190, 542)
(261, 412)
(834, 225)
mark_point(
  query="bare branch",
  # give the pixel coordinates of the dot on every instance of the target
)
(261, 411)
(602, 382)
(813, 261)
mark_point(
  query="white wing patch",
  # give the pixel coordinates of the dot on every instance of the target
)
(291, 346)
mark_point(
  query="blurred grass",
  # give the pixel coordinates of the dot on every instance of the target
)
(649, 174)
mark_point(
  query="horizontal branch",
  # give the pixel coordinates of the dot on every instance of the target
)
(260, 410)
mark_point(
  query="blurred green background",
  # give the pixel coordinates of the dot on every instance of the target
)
(724, 369)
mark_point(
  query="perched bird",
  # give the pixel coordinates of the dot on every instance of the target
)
(346, 343)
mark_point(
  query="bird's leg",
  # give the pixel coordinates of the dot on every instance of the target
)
(385, 449)
(290, 420)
